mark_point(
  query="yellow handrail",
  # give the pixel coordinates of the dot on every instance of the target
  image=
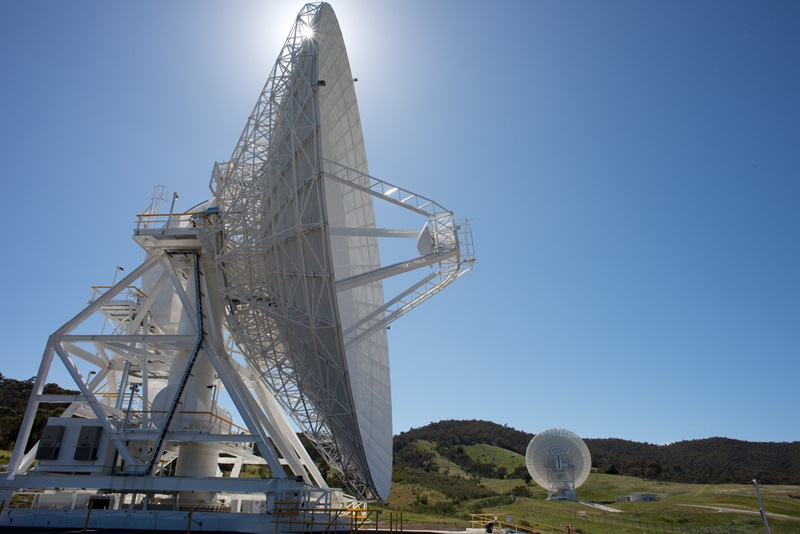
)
(480, 520)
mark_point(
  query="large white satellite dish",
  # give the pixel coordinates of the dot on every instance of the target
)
(289, 257)
(559, 461)
(270, 292)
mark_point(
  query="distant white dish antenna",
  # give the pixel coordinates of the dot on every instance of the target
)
(559, 461)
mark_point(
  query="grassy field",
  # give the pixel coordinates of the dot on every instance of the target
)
(445, 465)
(5, 456)
(495, 455)
(679, 508)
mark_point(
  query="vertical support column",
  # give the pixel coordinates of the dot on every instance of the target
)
(15, 462)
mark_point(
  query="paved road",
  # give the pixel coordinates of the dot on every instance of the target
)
(601, 506)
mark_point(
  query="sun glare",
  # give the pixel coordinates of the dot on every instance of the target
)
(306, 31)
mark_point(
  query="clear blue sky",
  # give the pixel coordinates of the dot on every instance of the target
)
(631, 170)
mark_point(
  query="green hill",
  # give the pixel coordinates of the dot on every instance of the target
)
(702, 461)
(445, 471)
(14, 396)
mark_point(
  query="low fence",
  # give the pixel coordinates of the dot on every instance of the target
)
(582, 521)
(479, 521)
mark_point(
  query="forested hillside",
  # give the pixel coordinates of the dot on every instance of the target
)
(14, 396)
(707, 461)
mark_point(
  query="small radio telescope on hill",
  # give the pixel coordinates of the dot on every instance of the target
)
(559, 461)
(271, 292)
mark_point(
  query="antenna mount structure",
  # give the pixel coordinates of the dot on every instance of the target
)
(559, 461)
(258, 313)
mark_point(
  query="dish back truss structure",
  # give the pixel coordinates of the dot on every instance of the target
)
(559, 461)
(271, 291)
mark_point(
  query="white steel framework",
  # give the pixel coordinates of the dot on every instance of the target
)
(271, 291)
(298, 256)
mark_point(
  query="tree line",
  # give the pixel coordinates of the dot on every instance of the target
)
(705, 461)
(14, 397)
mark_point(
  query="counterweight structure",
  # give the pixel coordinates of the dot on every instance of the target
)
(271, 292)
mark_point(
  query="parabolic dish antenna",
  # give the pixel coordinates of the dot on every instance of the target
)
(559, 461)
(298, 221)
(271, 292)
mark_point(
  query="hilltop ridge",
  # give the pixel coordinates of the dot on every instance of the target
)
(713, 460)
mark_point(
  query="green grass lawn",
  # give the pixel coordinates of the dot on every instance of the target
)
(679, 506)
(490, 454)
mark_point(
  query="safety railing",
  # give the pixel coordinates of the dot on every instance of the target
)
(188, 220)
(480, 521)
(194, 420)
(293, 517)
(129, 294)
